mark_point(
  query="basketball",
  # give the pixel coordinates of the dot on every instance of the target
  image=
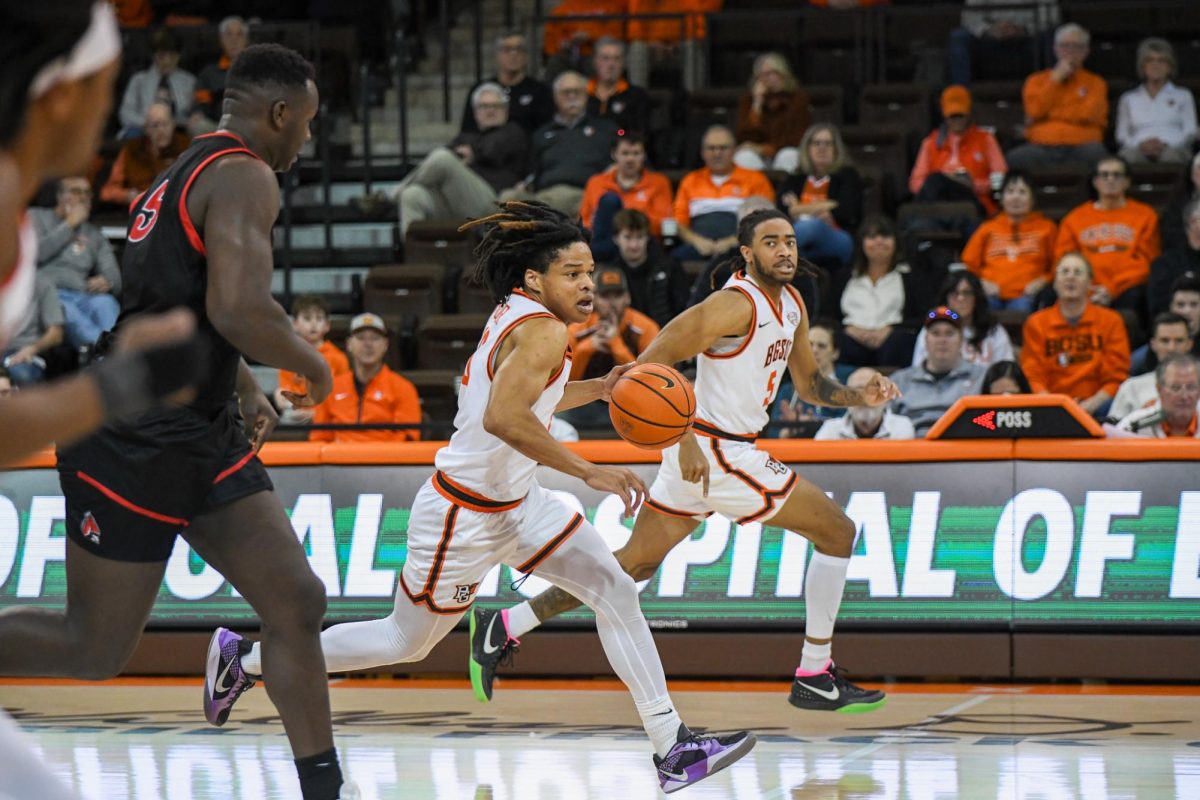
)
(652, 406)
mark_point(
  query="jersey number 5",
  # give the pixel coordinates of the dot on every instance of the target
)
(147, 215)
(770, 388)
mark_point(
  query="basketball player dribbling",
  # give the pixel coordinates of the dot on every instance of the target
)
(483, 505)
(200, 237)
(745, 336)
(61, 58)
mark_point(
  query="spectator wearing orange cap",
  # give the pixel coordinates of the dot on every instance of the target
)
(1066, 108)
(370, 393)
(959, 160)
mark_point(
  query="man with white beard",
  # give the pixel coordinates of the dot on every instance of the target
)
(865, 422)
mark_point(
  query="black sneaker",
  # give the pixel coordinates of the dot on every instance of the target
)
(491, 646)
(831, 691)
(695, 757)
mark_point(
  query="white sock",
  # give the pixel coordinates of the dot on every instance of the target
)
(814, 658)
(252, 661)
(823, 587)
(662, 722)
(520, 620)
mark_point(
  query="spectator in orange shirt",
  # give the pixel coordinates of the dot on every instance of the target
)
(612, 97)
(1012, 252)
(1076, 347)
(1066, 108)
(772, 116)
(310, 319)
(613, 334)
(567, 44)
(959, 160)
(707, 201)
(626, 184)
(370, 393)
(1117, 234)
(141, 160)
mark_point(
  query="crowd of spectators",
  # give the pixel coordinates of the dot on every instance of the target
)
(1052, 300)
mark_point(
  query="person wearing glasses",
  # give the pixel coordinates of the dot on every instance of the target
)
(530, 103)
(463, 178)
(824, 198)
(1066, 108)
(928, 389)
(1117, 234)
(985, 341)
(1177, 378)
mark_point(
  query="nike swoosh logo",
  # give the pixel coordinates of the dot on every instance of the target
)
(488, 647)
(828, 695)
(664, 713)
(221, 686)
(341, 396)
(763, 324)
(668, 383)
(679, 776)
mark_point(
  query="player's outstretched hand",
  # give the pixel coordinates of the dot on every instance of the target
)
(621, 482)
(260, 418)
(610, 380)
(880, 390)
(693, 466)
(319, 387)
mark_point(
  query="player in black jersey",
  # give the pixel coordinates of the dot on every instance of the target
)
(200, 237)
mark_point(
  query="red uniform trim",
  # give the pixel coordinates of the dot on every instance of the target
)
(491, 361)
(552, 545)
(459, 495)
(229, 471)
(749, 333)
(134, 507)
(193, 236)
(662, 508)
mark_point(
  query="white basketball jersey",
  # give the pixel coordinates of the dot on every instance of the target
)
(476, 459)
(738, 377)
(16, 293)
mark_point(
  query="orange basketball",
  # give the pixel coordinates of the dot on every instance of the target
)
(652, 406)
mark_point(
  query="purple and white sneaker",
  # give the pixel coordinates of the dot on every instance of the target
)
(224, 678)
(694, 757)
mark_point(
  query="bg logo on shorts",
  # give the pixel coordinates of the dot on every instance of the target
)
(463, 592)
(90, 528)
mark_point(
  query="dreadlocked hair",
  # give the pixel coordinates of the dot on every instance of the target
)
(523, 235)
(747, 225)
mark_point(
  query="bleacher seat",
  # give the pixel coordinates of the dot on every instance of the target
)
(884, 148)
(1155, 184)
(439, 243)
(404, 289)
(902, 105)
(998, 105)
(826, 103)
(446, 341)
(438, 390)
(473, 298)
(1056, 190)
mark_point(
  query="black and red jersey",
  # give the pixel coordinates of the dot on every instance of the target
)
(165, 263)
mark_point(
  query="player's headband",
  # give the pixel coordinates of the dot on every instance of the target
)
(99, 46)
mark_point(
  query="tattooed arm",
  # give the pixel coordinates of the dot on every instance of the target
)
(815, 388)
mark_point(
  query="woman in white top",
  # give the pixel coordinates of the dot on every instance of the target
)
(881, 302)
(1157, 120)
(984, 340)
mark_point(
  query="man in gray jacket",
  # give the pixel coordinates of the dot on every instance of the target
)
(929, 389)
(78, 260)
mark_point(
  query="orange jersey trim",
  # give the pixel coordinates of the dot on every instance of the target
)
(459, 495)
(552, 545)
(749, 333)
(491, 361)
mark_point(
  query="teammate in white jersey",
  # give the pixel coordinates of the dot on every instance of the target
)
(483, 506)
(745, 336)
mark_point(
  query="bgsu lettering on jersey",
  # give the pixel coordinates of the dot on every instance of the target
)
(778, 352)
(1075, 348)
